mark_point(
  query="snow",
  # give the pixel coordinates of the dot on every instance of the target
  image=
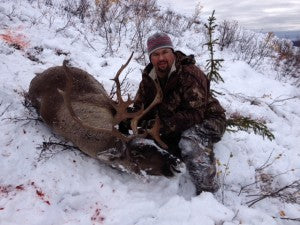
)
(72, 188)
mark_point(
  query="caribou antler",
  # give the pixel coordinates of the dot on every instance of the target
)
(120, 107)
(154, 131)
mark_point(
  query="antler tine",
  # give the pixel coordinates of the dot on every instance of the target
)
(117, 81)
(157, 100)
(121, 105)
(154, 131)
(67, 101)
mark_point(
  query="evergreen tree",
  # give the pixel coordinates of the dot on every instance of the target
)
(234, 123)
(213, 65)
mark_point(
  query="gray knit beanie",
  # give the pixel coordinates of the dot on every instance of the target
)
(157, 41)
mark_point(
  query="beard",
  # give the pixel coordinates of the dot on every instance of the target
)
(163, 67)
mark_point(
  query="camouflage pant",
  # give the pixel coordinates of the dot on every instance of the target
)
(196, 145)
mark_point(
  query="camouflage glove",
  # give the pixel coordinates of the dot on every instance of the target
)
(146, 124)
(167, 126)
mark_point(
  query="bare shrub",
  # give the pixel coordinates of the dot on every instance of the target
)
(83, 9)
(110, 20)
(270, 185)
(176, 24)
(195, 19)
(142, 12)
(173, 23)
(288, 59)
(49, 2)
(134, 19)
(252, 48)
(79, 8)
(227, 33)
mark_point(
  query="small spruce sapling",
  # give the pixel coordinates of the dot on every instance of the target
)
(234, 123)
(213, 65)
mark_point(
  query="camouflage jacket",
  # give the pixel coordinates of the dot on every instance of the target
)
(186, 97)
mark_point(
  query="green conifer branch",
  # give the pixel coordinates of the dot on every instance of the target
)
(237, 123)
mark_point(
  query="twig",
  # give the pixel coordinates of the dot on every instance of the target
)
(12, 13)
(20, 119)
(279, 174)
(265, 165)
(5, 109)
(64, 27)
(282, 100)
(46, 151)
(257, 101)
(286, 218)
(87, 40)
(62, 144)
(257, 181)
(224, 175)
(247, 185)
(272, 194)
(235, 215)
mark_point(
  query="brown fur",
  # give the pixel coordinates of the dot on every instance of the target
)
(90, 103)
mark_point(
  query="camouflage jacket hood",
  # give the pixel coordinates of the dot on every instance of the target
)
(186, 96)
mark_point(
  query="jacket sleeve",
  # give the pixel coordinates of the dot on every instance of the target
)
(193, 98)
(197, 105)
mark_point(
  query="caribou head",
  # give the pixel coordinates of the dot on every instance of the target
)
(76, 106)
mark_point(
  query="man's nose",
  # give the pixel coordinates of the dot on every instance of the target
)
(161, 56)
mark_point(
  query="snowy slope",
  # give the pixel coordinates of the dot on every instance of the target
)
(70, 188)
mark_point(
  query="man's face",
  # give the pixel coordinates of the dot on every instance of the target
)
(163, 59)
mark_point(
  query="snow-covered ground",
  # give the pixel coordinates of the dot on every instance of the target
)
(71, 188)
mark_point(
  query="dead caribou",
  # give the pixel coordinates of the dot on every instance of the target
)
(76, 106)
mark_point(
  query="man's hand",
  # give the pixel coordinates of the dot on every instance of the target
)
(167, 126)
(150, 123)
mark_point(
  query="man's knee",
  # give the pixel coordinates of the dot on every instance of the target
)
(212, 129)
(197, 153)
(194, 140)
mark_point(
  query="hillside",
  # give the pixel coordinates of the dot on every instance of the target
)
(45, 183)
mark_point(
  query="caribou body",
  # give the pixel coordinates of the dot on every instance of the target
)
(76, 106)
